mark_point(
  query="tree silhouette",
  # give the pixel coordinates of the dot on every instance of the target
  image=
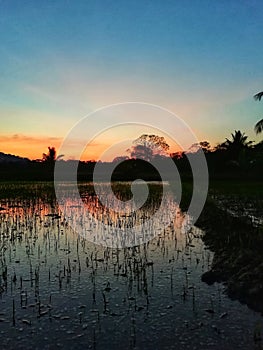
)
(197, 147)
(147, 146)
(237, 144)
(142, 152)
(259, 126)
(50, 157)
(120, 159)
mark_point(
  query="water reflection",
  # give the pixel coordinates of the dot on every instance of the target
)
(60, 290)
(111, 218)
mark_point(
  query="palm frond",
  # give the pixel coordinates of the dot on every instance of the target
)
(258, 96)
(259, 127)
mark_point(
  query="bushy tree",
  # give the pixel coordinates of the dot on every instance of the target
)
(147, 146)
(203, 145)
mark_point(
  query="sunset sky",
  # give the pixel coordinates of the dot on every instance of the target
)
(61, 60)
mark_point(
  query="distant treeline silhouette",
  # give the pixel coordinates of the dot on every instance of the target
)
(235, 157)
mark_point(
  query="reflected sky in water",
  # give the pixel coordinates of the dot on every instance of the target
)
(60, 290)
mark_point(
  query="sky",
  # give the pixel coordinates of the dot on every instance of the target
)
(62, 60)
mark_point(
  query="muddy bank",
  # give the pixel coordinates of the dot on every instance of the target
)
(238, 258)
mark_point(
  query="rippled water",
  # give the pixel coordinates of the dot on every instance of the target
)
(59, 290)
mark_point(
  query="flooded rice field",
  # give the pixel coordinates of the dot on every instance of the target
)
(242, 207)
(59, 290)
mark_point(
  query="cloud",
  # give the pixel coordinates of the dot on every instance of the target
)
(28, 138)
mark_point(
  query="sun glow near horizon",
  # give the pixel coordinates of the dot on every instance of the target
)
(104, 147)
(202, 62)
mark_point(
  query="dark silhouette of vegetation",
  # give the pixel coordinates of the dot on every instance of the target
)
(200, 146)
(235, 146)
(49, 160)
(50, 157)
(148, 146)
(133, 169)
(236, 157)
(259, 125)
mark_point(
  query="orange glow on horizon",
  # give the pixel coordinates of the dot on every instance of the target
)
(33, 147)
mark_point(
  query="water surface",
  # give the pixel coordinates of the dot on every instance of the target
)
(59, 290)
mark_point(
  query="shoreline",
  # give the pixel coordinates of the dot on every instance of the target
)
(238, 258)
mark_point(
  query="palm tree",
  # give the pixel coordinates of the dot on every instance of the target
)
(235, 146)
(50, 157)
(259, 126)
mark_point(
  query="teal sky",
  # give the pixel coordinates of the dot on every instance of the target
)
(60, 60)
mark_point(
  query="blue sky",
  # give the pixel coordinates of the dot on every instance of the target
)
(60, 60)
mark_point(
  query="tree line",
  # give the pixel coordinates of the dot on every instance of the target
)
(235, 156)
